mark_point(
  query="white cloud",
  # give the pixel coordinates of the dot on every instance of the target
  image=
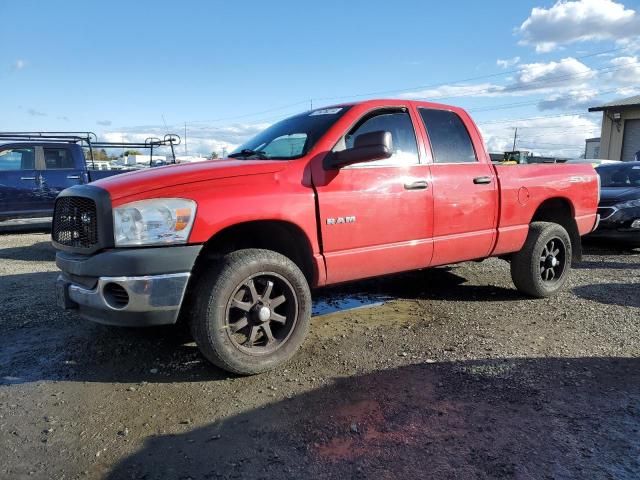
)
(457, 90)
(628, 91)
(36, 113)
(555, 77)
(19, 64)
(104, 123)
(578, 21)
(627, 70)
(560, 137)
(631, 45)
(507, 62)
(567, 71)
(571, 100)
(200, 139)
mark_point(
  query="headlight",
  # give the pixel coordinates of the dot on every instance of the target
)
(153, 222)
(629, 204)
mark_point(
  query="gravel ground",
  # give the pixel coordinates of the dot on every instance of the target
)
(455, 375)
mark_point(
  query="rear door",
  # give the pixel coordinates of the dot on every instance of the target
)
(375, 217)
(59, 171)
(464, 189)
(18, 182)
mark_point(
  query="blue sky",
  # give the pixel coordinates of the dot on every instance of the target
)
(124, 69)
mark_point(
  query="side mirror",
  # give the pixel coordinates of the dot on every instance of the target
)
(366, 147)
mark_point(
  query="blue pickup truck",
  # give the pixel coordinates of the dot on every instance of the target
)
(33, 173)
(38, 166)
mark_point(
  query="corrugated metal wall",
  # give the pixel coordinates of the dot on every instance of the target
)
(631, 140)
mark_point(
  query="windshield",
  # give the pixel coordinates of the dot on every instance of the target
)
(290, 138)
(620, 175)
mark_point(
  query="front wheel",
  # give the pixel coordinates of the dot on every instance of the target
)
(252, 311)
(541, 268)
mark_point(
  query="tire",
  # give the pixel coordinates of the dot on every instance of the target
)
(533, 269)
(251, 311)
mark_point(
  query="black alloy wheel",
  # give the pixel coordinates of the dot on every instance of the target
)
(251, 310)
(553, 260)
(262, 313)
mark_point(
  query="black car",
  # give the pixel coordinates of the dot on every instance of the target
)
(619, 206)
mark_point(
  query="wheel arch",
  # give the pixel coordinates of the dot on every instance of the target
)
(561, 210)
(279, 236)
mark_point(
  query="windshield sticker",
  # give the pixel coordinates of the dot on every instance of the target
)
(325, 111)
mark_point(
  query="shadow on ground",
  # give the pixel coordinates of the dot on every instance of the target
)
(603, 247)
(622, 294)
(41, 342)
(38, 252)
(42, 227)
(442, 283)
(607, 265)
(514, 418)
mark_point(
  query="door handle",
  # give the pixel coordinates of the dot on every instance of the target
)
(482, 180)
(417, 185)
(27, 178)
(73, 177)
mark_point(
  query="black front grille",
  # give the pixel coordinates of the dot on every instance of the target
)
(75, 222)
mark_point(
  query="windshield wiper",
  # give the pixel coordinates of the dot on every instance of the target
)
(247, 152)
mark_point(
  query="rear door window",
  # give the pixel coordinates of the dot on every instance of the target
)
(58, 159)
(18, 159)
(449, 138)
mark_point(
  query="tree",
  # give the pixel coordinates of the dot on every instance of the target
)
(213, 155)
(131, 152)
(97, 154)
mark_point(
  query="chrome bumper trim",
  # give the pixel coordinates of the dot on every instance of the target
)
(146, 294)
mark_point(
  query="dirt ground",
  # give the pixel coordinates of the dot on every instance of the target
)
(455, 375)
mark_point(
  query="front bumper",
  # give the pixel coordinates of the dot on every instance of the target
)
(618, 225)
(126, 287)
(622, 236)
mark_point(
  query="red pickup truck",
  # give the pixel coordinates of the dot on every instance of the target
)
(336, 194)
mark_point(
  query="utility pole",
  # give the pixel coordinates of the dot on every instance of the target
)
(515, 137)
(311, 103)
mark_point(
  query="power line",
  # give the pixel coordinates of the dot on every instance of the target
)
(578, 132)
(539, 147)
(507, 120)
(440, 84)
(507, 89)
(528, 87)
(275, 109)
(569, 145)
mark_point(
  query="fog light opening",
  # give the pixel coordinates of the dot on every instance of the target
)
(115, 295)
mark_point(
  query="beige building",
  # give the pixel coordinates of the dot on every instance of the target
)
(620, 134)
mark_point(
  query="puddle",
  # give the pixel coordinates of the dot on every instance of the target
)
(326, 304)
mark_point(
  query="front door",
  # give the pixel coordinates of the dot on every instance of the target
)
(375, 217)
(465, 190)
(19, 184)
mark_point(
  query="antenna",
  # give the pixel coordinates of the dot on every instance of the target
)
(185, 138)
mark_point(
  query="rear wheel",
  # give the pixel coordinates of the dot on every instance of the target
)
(252, 311)
(541, 268)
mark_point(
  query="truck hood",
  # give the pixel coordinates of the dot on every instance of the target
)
(141, 181)
(613, 195)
